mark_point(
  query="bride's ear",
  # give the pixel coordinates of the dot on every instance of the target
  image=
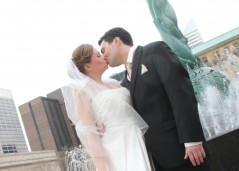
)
(87, 67)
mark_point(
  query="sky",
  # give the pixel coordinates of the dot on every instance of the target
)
(37, 37)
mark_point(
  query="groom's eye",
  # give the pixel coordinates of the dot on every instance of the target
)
(102, 50)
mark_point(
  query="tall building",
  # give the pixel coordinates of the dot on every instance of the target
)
(57, 94)
(11, 134)
(192, 34)
(46, 125)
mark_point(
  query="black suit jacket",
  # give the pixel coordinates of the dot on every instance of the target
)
(165, 99)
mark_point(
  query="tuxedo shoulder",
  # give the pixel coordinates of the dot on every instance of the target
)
(156, 44)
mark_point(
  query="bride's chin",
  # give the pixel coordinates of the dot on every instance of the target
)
(106, 68)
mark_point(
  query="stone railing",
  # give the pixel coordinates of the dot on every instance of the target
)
(32, 161)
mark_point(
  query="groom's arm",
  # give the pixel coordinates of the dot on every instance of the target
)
(180, 93)
(183, 101)
(195, 153)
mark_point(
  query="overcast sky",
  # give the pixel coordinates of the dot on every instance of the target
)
(38, 37)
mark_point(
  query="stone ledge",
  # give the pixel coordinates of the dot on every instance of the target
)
(29, 158)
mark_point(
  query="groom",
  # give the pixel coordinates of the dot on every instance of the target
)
(163, 95)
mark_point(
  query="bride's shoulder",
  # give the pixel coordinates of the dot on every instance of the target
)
(112, 82)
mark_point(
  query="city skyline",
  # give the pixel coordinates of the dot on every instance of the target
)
(37, 38)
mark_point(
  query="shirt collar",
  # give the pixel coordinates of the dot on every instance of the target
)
(131, 54)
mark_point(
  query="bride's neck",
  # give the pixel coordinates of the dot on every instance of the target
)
(96, 78)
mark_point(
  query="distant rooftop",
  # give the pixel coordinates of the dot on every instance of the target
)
(190, 27)
(5, 93)
(216, 41)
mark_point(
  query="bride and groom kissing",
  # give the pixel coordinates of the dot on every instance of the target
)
(154, 107)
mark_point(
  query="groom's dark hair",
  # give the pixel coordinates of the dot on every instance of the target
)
(117, 32)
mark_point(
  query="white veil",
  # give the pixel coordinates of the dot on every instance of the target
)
(78, 95)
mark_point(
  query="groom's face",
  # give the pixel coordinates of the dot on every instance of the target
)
(110, 52)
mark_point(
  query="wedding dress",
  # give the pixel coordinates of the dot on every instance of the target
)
(122, 141)
(106, 123)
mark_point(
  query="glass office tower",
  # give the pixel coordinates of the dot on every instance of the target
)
(11, 134)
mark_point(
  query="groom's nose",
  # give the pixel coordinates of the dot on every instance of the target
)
(103, 56)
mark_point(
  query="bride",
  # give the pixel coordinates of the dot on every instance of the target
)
(104, 119)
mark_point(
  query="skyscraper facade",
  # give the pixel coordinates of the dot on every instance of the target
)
(192, 34)
(11, 134)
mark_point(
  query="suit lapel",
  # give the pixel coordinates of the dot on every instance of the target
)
(136, 62)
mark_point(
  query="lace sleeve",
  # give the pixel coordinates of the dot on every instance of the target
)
(89, 131)
(79, 110)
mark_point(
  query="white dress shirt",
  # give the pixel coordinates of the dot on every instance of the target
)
(131, 54)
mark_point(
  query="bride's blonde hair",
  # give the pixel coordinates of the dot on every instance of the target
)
(82, 55)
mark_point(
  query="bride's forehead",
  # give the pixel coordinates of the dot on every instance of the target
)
(96, 51)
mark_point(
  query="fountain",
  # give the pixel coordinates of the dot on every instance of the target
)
(219, 61)
(217, 95)
(204, 79)
(219, 114)
(78, 159)
(219, 111)
(232, 60)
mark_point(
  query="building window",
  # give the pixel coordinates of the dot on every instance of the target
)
(204, 59)
(9, 148)
(226, 51)
(236, 45)
(217, 56)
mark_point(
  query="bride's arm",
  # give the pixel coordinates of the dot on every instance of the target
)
(90, 131)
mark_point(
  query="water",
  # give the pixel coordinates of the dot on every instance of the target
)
(78, 160)
(228, 62)
(219, 113)
(233, 61)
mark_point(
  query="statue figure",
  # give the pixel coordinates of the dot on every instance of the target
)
(165, 21)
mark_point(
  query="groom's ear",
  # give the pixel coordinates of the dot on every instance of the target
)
(117, 41)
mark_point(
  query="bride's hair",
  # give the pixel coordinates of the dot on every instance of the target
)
(82, 55)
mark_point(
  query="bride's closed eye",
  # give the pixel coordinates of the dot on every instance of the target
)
(99, 55)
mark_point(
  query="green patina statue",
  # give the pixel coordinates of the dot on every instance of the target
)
(165, 21)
